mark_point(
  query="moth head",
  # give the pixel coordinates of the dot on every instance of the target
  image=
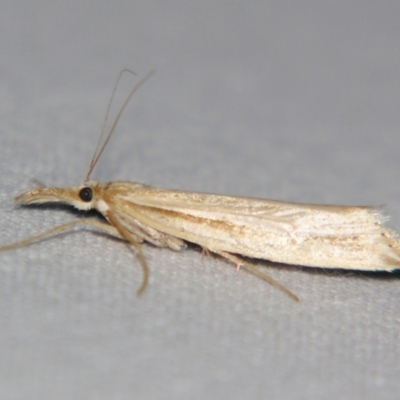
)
(83, 197)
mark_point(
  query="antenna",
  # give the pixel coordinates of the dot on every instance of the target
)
(100, 147)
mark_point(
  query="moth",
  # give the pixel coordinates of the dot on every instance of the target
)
(235, 228)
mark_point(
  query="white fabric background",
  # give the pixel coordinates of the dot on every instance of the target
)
(289, 100)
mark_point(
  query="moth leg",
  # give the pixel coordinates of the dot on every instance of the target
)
(175, 243)
(135, 242)
(110, 229)
(252, 268)
(102, 226)
(142, 232)
(205, 252)
(117, 231)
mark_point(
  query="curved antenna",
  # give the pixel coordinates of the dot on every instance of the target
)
(100, 147)
(107, 114)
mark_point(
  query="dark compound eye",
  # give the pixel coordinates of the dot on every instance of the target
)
(86, 194)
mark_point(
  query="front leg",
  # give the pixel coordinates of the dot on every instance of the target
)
(101, 226)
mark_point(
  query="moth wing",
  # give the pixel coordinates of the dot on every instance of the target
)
(311, 235)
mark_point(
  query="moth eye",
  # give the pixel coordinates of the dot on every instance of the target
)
(86, 194)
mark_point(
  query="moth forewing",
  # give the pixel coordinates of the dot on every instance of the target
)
(291, 233)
